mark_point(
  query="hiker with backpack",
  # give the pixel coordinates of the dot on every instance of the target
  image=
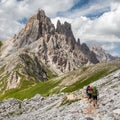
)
(94, 95)
(89, 92)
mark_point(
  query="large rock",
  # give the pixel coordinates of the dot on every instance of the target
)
(116, 114)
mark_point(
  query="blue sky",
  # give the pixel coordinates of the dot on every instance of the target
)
(80, 4)
(23, 20)
(93, 21)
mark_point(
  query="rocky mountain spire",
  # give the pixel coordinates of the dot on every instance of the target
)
(56, 48)
(64, 29)
(91, 55)
(67, 31)
(37, 26)
(78, 42)
(45, 25)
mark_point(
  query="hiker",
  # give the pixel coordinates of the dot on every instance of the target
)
(94, 95)
(89, 92)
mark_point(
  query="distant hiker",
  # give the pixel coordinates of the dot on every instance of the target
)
(89, 92)
(94, 95)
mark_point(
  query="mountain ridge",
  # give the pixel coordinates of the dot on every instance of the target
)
(57, 46)
(40, 51)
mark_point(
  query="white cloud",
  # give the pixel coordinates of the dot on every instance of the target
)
(13, 10)
(106, 28)
(109, 46)
(115, 54)
(94, 6)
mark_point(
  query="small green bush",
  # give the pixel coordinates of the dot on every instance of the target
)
(1, 44)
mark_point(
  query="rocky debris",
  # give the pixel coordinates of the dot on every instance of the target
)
(116, 114)
(10, 107)
(88, 118)
(51, 107)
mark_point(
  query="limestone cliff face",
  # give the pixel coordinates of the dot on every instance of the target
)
(22, 67)
(57, 48)
(54, 47)
(39, 51)
(88, 53)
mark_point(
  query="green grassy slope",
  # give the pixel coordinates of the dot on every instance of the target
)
(69, 82)
(92, 74)
(42, 88)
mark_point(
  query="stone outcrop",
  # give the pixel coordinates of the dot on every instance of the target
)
(13, 81)
(22, 67)
(31, 66)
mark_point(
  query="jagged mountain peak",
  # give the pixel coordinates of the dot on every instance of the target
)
(36, 27)
(101, 54)
(42, 21)
(65, 29)
(55, 47)
(41, 15)
(97, 48)
(78, 42)
(61, 28)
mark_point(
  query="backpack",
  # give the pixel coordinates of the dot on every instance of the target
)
(87, 88)
(90, 90)
(95, 91)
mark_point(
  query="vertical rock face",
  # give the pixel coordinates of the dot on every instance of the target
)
(32, 67)
(21, 70)
(56, 48)
(45, 25)
(66, 30)
(13, 81)
(90, 54)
